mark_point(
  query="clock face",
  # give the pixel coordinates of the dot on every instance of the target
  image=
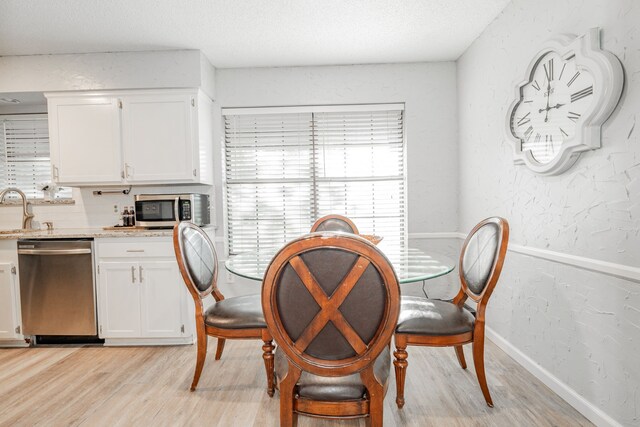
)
(551, 106)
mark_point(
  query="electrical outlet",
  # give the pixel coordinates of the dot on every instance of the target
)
(116, 209)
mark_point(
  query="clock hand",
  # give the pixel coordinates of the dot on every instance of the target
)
(550, 108)
(546, 115)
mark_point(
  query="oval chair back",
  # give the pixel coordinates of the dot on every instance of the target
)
(482, 258)
(197, 260)
(334, 223)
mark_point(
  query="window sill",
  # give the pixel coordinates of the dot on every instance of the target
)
(39, 202)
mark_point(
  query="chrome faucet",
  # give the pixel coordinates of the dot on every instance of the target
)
(26, 215)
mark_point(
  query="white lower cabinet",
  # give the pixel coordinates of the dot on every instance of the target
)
(142, 298)
(10, 317)
(119, 300)
(9, 313)
(161, 316)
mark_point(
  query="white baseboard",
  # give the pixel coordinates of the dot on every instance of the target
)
(582, 405)
(13, 343)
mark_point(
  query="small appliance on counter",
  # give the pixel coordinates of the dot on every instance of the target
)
(164, 210)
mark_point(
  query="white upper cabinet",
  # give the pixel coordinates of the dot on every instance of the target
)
(153, 126)
(84, 134)
(132, 137)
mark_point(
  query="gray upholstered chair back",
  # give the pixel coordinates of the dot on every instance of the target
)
(198, 255)
(335, 223)
(481, 252)
(309, 275)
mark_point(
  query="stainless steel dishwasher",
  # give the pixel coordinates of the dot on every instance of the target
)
(57, 287)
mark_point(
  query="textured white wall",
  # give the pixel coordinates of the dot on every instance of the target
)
(581, 326)
(93, 71)
(429, 91)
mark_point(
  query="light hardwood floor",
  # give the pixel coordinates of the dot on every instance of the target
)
(95, 386)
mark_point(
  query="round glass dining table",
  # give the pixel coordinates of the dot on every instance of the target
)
(410, 264)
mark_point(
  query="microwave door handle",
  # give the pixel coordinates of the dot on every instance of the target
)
(176, 209)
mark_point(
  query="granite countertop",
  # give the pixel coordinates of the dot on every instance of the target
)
(61, 233)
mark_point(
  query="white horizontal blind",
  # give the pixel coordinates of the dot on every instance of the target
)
(268, 179)
(360, 170)
(24, 155)
(286, 169)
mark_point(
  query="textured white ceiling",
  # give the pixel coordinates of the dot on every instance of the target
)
(251, 33)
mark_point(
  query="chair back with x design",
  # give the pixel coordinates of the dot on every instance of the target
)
(331, 301)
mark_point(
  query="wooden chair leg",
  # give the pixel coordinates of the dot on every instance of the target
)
(478, 363)
(267, 355)
(202, 354)
(400, 364)
(460, 355)
(288, 418)
(220, 348)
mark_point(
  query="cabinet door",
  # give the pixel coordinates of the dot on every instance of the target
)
(9, 313)
(119, 300)
(85, 140)
(162, 299)
(158, 138)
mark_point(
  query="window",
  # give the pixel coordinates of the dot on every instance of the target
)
(24, 155)
(286, 167)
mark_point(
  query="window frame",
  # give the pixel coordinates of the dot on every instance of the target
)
(331, 108)
(3, 184)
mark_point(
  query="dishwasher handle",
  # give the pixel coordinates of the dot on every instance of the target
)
(54, 251)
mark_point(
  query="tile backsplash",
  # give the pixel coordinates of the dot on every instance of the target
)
(91, 210)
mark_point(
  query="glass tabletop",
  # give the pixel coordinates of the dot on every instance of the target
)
(410, 264)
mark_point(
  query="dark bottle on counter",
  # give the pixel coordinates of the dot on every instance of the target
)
(126, 217)
(132, 217)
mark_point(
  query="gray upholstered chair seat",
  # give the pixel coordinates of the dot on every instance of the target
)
(243, 312)
(433, 317)
(333, 389)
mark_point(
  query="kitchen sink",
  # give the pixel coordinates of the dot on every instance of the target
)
(18, 231)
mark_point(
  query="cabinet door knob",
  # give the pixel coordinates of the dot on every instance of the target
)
(133, 274)
(140, 273)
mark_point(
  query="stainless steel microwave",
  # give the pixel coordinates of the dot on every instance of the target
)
(164, 210)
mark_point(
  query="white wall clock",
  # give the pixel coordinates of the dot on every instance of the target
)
(570, 89)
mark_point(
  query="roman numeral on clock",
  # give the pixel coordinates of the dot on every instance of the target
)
(573, 116)
(581, 94)
(563, 132)
(548, 70)
(562, 71)
(573, 79)
(535, 85)
(524, 120)
(528, 132)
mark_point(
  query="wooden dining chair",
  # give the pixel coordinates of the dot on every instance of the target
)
(334, 223)
(437, 323)
(231, 318)
(331, 302)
